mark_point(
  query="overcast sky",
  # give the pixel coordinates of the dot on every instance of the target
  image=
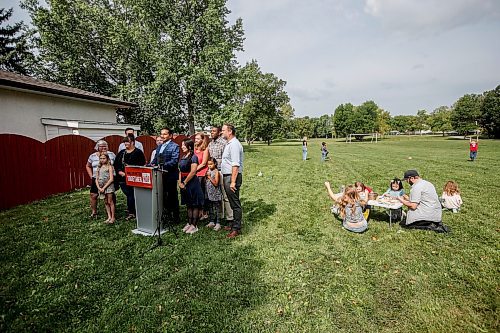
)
(405, 55)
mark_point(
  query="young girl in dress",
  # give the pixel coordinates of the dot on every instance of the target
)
(214, 194)
(395, 190)
(451, 198)
(105, 186)
(351, 210)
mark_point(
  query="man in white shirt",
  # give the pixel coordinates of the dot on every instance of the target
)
(138, 145)
(232, 168)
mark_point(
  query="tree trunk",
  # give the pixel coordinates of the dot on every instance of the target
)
(190, 112)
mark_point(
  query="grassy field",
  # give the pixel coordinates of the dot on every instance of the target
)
(294, 269)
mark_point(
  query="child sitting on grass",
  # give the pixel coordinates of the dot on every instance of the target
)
(350, 208)
(451, 198)
(395, 189)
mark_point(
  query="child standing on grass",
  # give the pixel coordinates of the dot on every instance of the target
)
(324, 152)
(214, 194)
(451, 198)
(473, 149)
(105, 186)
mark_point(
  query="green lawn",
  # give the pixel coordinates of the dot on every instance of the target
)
(294, 269)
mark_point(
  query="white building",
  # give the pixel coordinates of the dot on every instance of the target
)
(43, 110)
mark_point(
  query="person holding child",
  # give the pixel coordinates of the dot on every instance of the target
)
(105, 186)
(451, 198)
(214, 194)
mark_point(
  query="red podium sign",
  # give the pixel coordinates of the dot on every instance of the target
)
(139, 177)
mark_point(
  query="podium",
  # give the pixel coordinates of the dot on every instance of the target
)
(148, 190)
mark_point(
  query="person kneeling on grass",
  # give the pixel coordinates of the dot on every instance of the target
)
(424, 208)
(350, 208)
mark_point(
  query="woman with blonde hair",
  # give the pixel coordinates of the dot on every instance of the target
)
(350, 208)
(200, 150)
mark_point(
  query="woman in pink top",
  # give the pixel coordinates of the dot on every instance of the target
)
(201, 151)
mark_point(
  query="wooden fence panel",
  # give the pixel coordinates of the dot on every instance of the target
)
(21, 168)
(33, 170)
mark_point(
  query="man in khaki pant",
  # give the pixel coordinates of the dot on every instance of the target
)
(216, 148)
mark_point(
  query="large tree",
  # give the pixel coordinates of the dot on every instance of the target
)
(15, 54)
(490, 113)
(440, 119)
(260, 101)
(466, 114)
(175, 58)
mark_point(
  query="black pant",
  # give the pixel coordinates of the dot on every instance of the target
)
(426, 225)
(171, 199)
(234, 199)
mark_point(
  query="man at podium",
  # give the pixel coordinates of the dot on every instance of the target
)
(167, 159)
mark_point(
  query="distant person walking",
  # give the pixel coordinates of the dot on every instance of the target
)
(473, 149)
(304, 148)
(232, 168)
(324, 152)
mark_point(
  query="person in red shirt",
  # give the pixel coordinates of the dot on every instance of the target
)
(473, 149)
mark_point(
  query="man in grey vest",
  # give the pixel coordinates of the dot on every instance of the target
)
(232, 168)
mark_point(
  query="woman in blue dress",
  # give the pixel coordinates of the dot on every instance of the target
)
(190, 186)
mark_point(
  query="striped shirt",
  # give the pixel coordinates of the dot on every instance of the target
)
(216, 148)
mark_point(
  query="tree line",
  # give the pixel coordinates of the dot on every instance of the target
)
(471, 113)
(177, 60)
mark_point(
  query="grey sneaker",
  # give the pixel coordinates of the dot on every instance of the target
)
(217, 227)
(211, 225)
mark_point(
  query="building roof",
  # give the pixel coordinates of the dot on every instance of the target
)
(22, 82)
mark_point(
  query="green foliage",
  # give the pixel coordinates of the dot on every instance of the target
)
(440, 119)
(294, 269)
(174, 58)
(466, 113)
(15, 54)
(365, 118)
(260, 102)
(490, 113)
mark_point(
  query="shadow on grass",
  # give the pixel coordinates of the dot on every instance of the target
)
(66, 273)
(256, 213)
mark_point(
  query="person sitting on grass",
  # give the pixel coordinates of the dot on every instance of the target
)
(395, 191)
(350, 208)
(363, 192)
(424, 208)
(451, 198)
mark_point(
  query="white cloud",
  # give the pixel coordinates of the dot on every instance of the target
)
(431, 16)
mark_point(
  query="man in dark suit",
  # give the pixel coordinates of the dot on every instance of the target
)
(167, 158)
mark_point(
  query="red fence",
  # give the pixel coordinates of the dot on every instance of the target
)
(33, 170)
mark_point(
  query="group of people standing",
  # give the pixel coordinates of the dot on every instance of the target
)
(203, 186)
(208, 175)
